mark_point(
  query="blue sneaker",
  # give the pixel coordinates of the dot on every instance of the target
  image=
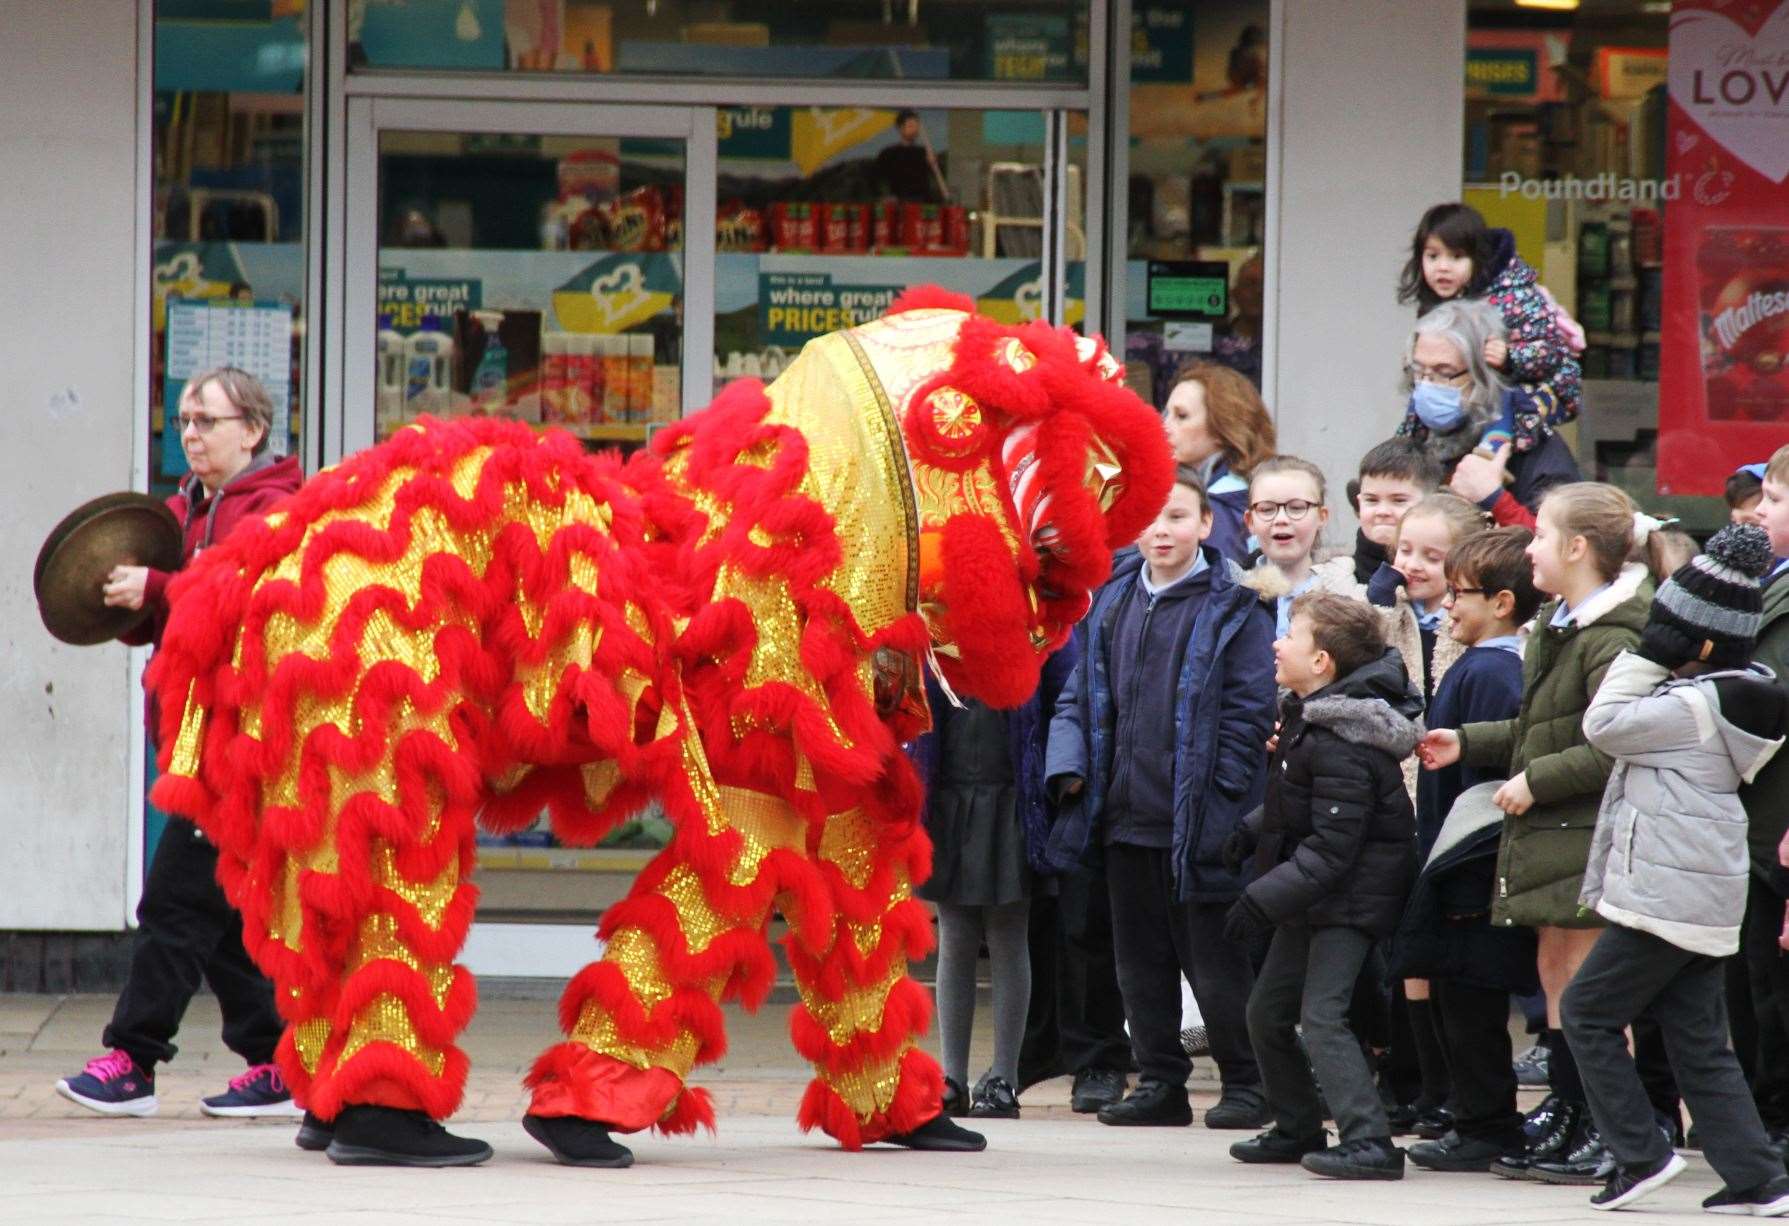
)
(111, 1084)
(258, 1092)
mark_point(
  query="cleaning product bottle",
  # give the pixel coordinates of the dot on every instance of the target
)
(490, 382)
(389, 398)
(427, 380)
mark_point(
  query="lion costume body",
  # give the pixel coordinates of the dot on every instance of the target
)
(472, 622)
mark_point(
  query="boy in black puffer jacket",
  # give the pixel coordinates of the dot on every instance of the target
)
(1335, 850)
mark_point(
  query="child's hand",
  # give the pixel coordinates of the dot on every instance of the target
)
(1783, 940)
(1439, 747)
(1514, 797)
(1496, 352)
(1382, 588)
(1273, 745)
(1783, 851)
(1477, 477)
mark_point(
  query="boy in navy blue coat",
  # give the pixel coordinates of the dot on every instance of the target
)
(1446, 935)
(1160, 736)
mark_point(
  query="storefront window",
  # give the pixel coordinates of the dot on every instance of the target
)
(825, 215)
(228, 209)
(533, 277)
(1197, 191)
(1567, 148)
(958, 40)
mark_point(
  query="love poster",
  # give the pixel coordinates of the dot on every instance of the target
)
(1724, 344)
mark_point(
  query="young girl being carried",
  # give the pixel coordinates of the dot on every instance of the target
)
(1454, 256)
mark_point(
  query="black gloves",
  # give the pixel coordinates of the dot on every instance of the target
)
(1237, 849)
(1667, 645)
(1245, 921)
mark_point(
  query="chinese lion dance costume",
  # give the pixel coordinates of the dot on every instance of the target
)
(472, 622)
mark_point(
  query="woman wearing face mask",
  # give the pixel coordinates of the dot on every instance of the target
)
(1490, 437)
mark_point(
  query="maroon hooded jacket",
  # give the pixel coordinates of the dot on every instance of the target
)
(206, 521)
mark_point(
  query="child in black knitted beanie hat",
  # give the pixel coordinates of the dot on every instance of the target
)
(1688, 720)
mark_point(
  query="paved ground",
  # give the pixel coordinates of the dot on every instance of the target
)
(60, 1164)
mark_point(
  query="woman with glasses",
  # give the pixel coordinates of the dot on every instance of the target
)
(187, 930)
(1490, 436)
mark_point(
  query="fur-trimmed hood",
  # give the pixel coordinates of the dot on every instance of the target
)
(1375, 705)
(1621, 589)
(1331, 575)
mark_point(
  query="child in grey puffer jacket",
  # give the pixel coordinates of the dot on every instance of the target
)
(1687, 719)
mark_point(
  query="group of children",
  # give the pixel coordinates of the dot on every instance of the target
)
(1475, 761)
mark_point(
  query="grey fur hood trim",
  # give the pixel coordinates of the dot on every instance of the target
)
(1366, 721)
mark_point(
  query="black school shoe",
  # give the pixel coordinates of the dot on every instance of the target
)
(314, 1134)
(385, 1136)
(575, 1141)
(1096, 1088)
(940, 1135)
(1453, 1152)
(1562, 1129)
(1769, 1199)
(1368, 1158)
(1239, 1109)
(1274, 1146)
(1587, 1162)
(1153, 1104)
(994, 1100)
(1629, 1183)
(956, 1098)
(1433, 1124)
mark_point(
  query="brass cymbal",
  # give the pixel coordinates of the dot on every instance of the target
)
(125, 529)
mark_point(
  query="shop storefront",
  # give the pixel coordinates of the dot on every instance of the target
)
(592, 214)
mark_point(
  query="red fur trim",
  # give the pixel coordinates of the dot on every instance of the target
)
(822, 1108)
(571, 1079)
(693, 1109)
(990, 618)
(920, 297)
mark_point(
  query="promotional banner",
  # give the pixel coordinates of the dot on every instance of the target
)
(1724, 346)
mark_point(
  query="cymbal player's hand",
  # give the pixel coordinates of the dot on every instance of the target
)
(125, 587)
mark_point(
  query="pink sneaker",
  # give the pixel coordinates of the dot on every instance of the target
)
(257, 1092)
(111, 1084)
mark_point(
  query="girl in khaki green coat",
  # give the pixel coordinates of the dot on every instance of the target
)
(1583, 538)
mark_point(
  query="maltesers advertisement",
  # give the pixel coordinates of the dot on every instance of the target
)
(1724, 346)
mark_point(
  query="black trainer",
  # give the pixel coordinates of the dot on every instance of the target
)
(1453, 1152)
(1153, 1104)
(314, 1134)
(1368, 1158)
(576, 1141)
(1238, 1109)
(1095, 1088)
(1587, 1162)
(994, 1100)
(940, 1135)
(1629, 1183)
(1556, 1142)
(1274, 1146)
(1769, 1199)
(385, 1136)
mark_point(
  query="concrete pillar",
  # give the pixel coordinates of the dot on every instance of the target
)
(69, 249)
(1364, 133)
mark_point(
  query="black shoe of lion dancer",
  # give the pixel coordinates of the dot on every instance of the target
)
(386, 1136)
(575, 1141)
(315, 1133)
(940, 1135)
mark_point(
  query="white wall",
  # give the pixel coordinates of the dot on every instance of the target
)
(1369, 132)
(68, 259)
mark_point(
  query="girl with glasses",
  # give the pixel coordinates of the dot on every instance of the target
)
(1286, 515)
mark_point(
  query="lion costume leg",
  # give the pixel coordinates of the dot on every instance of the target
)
(860, 1012)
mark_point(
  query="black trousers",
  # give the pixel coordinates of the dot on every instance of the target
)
(187, 931)
(1076, 1020)
(1156, 940)
(1474, 1026)
(1767, 972)
(1631, 974)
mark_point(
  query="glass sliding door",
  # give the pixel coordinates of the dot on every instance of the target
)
(524, 260)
